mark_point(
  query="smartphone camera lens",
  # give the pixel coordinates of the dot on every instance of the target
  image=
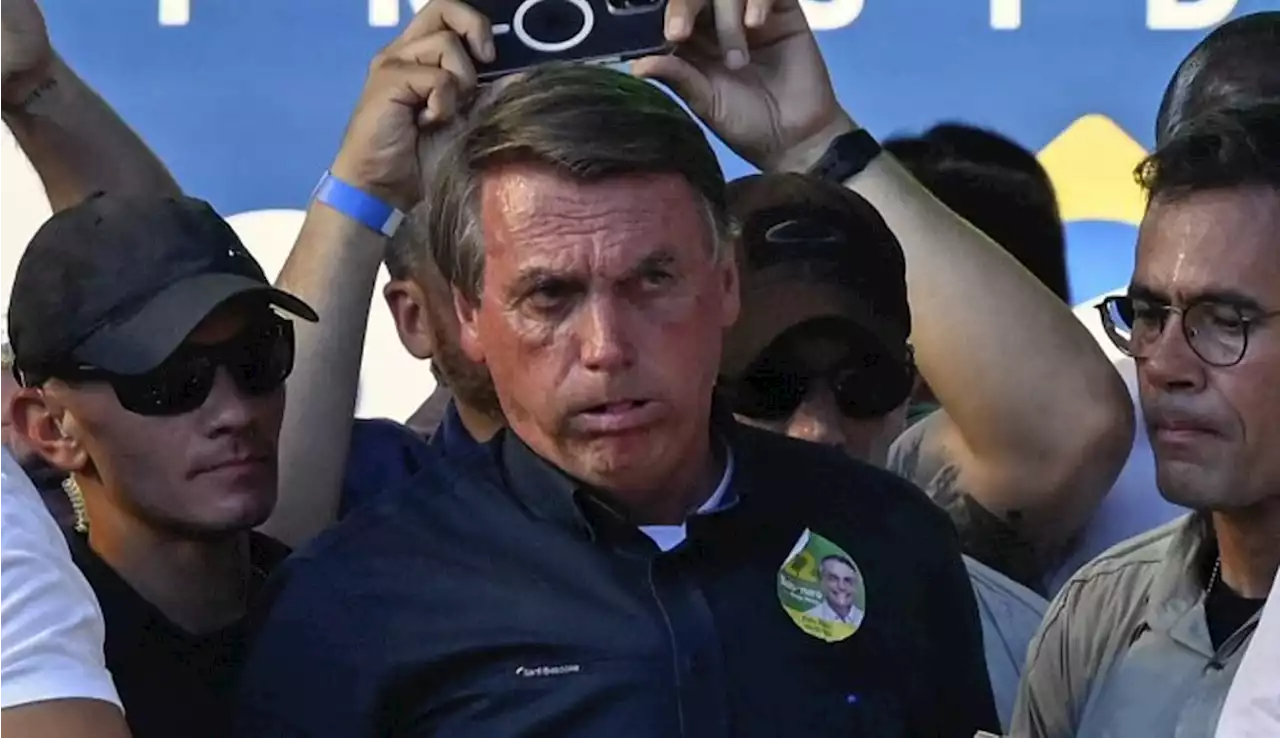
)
(553, 21)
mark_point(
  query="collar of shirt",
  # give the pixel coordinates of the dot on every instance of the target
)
(667, 537)
(125, 610)
(553, 495)
(1175, 602)
(452, 438)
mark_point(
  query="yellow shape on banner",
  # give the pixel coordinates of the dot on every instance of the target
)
(1091, 164)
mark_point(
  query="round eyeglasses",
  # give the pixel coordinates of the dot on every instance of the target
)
(1218, 332)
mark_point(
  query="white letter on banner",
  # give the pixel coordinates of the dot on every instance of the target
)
(1187, 15)
(828, 15)
(386, 13)
(175, 12)
(1006, 15)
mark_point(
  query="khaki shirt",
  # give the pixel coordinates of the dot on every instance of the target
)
(1124, 650)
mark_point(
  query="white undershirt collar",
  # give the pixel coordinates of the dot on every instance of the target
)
(667, 537)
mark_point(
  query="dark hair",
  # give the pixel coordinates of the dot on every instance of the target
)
(589, 123)
(1234, 66)
(837, 557)
(999, 187)
(1219, 149)
(407, 257)
(406, 253)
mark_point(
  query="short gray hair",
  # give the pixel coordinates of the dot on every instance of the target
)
(588, 122)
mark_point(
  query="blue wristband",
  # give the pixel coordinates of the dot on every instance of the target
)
(358, 205)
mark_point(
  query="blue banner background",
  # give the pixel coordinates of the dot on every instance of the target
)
(247, 101)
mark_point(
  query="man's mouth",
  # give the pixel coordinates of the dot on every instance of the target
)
(610, 408)
(619, 416)
(239, 463)
(1180, 431)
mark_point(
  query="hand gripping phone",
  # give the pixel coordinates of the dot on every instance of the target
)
(529, 32)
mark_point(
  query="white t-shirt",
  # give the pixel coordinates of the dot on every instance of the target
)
(825, 611)
(51, 628)
(1252, 709)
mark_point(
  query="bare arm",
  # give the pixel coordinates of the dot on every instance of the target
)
(1037, 422)
(1040, 423)
(77, 143)
(334, 264)
(64, 719)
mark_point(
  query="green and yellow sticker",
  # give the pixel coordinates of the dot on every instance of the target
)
(821, 589)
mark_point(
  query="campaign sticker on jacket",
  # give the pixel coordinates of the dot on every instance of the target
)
(821, 589)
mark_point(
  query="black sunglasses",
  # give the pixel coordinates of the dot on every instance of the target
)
(259, 359)
(865, 386)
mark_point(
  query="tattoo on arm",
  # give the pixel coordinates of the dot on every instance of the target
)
(944, 487)
(929, 468)
(997, 539)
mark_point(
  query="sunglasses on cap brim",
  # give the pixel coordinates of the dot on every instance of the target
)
(258, 360)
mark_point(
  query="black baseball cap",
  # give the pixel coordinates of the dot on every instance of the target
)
(118, 282)
(812, 250)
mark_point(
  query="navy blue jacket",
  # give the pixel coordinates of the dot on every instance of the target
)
(494, 596)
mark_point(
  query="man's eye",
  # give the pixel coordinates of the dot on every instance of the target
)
(656, 279)
(549, 295)
(1226, 319)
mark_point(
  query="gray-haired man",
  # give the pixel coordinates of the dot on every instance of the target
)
(623, 559)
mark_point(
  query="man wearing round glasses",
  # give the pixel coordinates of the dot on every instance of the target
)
(152, 361)
(1146, 639)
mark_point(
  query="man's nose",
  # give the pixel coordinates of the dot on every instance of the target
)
(1169, 362)
(817, 419)
(227, 408)
(602, 332)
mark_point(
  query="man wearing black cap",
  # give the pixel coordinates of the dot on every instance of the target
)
(152, 360)
(820, 352)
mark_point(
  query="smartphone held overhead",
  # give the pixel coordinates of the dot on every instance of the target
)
(529, 32)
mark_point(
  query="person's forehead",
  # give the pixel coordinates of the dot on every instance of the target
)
(1206, 243)
(537, 213)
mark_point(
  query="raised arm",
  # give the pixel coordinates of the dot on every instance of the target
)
(414, 85)
(75, 141)
(1039, 424)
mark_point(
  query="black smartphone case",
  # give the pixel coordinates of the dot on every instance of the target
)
(529, 32)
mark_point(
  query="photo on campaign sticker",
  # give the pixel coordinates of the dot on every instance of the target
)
(821, 589)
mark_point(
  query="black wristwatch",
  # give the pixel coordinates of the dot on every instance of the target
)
(847, 155)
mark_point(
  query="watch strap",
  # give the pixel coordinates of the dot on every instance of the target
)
(847, 156)
(358, 205)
